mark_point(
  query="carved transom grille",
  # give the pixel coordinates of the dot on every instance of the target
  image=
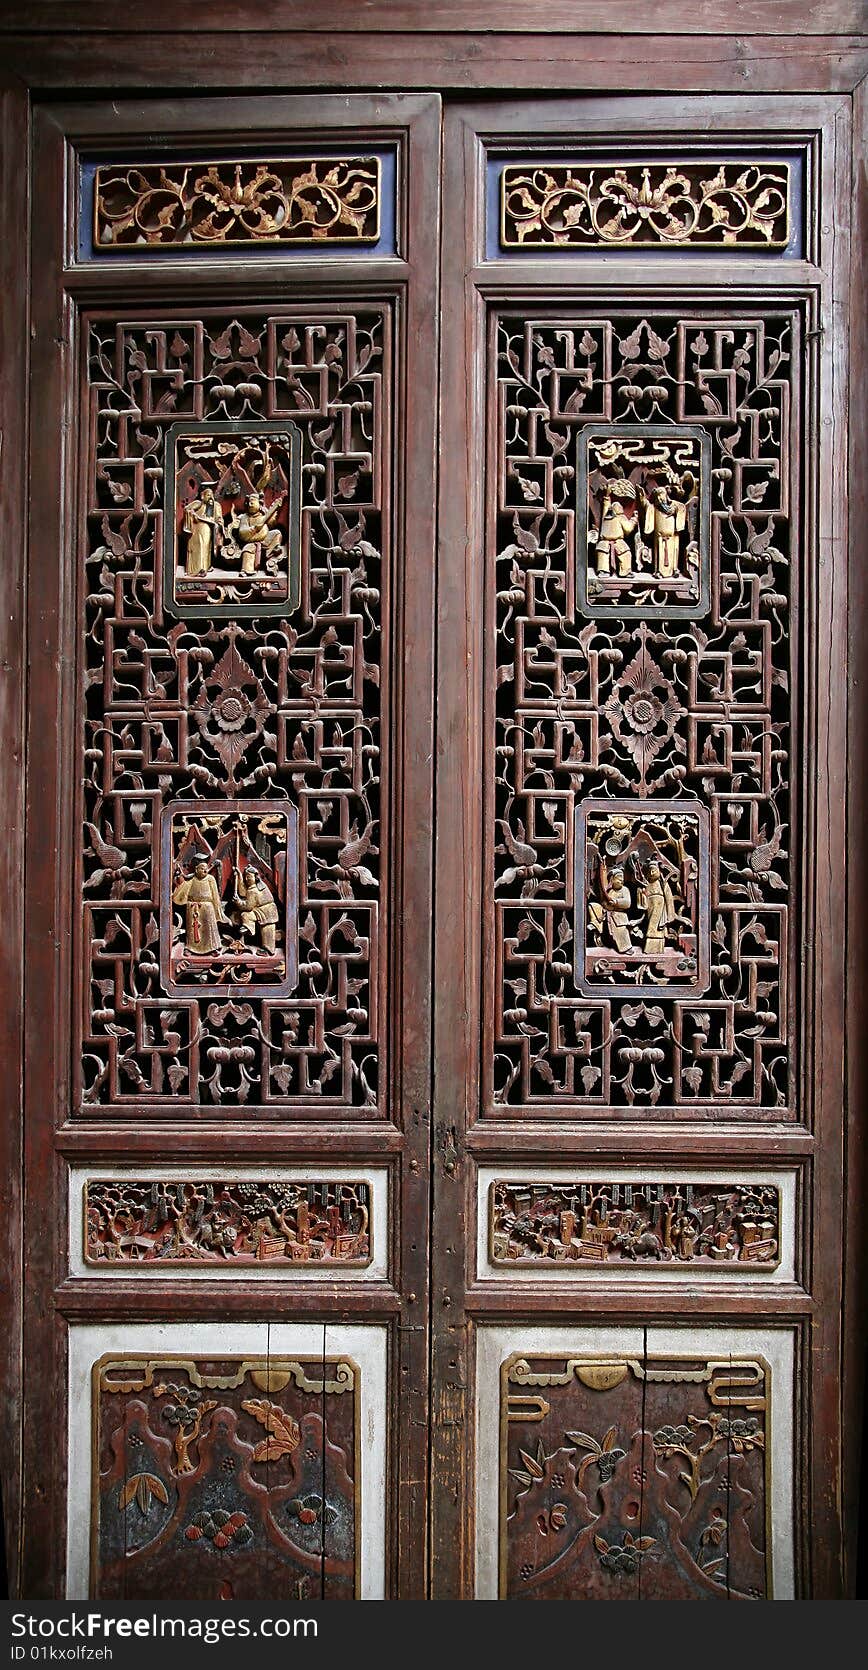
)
(642, 809)
(221, 715)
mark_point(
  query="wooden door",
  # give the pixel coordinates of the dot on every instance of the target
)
(636, 1249)
(435, 852)
(229, 895)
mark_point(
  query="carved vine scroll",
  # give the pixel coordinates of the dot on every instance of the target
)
(203, 204)
(741, 205)
(641, 839)
(245, 748)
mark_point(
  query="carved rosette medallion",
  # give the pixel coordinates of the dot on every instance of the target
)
(232, 535)
(643, 539)
(623, 1477)
(229, 913)
(642, 908)
(225, 1479)
(630, 1225)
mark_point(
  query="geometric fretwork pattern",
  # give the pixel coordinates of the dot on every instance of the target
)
(282, 709)
(694, 712)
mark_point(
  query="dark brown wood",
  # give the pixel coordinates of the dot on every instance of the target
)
(14, 289)
(615, 17)
(685, 62)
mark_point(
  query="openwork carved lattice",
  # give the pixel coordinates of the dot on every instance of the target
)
(733, 204)
(224, 1479)
(296, 201)
(678, 719)
(224, 716)
(218, 1221)
(633, 1224)
(623, 1479)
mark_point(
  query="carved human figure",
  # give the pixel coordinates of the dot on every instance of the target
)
(203, 525)
(665, 519)
(610, 911)
(654, 897)
(617, 525)
(258, 913)
(255, 532)
(203, 911)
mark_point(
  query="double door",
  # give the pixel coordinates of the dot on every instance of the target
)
(435, 840)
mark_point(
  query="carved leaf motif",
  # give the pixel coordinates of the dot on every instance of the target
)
(284, 1432)
(139, 1488)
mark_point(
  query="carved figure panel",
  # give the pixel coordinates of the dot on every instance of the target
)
(623, 1478)
(224, 1480)
(274, 715)
(199, 205)
(222, 1222)
(632, 1224)
(642, 896)
(644, 521)
(729, 205)
(232, 540)
(230, 897)
(668, 722)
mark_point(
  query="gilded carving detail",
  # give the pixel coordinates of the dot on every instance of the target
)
(190, 205)
(222, 1222)
(232, 540)
(630, 1224)
(203, 1486)
(630, 1478)
(642, 205)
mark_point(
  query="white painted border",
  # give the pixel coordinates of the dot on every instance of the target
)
(586, 1274)
(496, 1344)
(377, 1178)
(365, 1344)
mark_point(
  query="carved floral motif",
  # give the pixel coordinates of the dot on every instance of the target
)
(734, 205)
(630, 1478)
(198, 1475)
(297, 201)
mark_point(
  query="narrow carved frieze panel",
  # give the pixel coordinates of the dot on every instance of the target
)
(220, 1479)
(201, 205)
(625, 1225)
(723, 205)
(641, 833)
(219, 1222)
(221, 734)
(233, 532)
(644, 504)
(625, 1476)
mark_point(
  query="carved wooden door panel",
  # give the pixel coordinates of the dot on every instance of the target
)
(232, 572)
(639, 1022)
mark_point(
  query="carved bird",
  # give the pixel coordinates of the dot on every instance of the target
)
(519, 851)
(763, 856)
(112, 862)
(356, 848)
